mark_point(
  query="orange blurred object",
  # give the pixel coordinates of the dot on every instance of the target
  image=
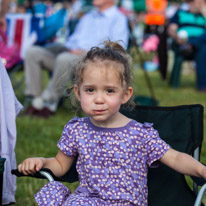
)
(154, 19)
(155, 12)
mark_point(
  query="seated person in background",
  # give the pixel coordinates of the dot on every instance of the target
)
(199, 44)
(106, 22)
(192, 23)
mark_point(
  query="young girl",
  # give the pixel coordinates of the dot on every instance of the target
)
(114, 152)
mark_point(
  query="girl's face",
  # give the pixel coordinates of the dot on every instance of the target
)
(101, 95)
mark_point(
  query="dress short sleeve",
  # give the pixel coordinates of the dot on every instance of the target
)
(155, 146)
(67, 143)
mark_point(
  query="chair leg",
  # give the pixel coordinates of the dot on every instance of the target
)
(176, 71)
(200, 196)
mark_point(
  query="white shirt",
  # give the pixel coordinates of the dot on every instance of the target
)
(95, 27)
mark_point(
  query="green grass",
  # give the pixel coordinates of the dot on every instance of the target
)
(38, 137)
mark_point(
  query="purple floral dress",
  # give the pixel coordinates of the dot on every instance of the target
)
(112, 164)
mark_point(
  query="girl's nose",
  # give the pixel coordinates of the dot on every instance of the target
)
(99, 98)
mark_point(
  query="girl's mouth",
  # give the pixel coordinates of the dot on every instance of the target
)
(98, 111)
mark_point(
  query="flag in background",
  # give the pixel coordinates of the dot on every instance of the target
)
(22, 29)
(25, 29)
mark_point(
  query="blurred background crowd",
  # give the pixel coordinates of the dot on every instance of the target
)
(53, 35)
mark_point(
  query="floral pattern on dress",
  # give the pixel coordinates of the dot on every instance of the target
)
(52, 194)
(112, 162)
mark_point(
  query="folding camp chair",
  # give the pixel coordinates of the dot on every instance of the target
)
(182, 128)
(179, 59)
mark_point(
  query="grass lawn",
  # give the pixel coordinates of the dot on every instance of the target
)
(38, 137)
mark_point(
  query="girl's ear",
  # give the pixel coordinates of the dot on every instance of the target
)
(127, 95)
(76, 91)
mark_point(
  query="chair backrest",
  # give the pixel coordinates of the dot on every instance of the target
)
(182, 128)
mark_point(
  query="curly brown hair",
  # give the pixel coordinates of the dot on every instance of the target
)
(111, 54)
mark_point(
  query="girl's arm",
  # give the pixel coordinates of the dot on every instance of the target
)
(183, 163)
(59, 164)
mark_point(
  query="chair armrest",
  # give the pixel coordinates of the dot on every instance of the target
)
(44, 173)
(200, 195)
(198, 180)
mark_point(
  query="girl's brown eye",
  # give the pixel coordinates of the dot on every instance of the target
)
(89, 90)
(110, 90)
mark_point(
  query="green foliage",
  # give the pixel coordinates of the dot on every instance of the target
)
(38, 137)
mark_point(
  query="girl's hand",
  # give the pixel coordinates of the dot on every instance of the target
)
(204, 172)
(59, 165)
(31, 165)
